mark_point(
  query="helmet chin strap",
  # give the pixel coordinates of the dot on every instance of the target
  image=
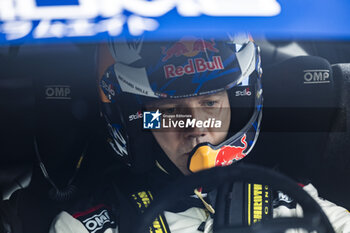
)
(69, 191)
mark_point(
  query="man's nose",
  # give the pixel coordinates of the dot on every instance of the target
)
(196, 133)
(195, 136)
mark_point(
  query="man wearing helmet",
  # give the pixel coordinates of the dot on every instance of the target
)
(153, 96)
(187, 77)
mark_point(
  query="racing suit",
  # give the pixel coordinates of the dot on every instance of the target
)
(189, 216)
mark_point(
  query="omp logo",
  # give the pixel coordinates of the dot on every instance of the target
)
(316, 76)
(97, 221)
(57, 92)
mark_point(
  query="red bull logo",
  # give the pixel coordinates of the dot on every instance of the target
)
(205, 157)
(188, 48)
(193, 66)
(228, 154)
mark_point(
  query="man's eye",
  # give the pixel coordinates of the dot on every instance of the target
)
(210, 103)
(169, 110)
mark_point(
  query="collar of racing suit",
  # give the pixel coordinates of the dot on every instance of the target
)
(158, 179)
(165, 164)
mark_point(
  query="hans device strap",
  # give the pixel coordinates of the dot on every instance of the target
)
(142, 200)
(259, 203)
(243, 203)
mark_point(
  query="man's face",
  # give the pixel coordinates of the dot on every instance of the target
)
(178, 143)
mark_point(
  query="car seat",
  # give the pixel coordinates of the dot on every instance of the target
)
(50, 94)
(301, 112)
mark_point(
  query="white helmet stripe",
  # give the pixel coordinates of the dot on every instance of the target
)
(126, 52)
(133, 80)
(246, 59)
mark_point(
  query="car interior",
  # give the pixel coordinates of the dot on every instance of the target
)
(50, 123)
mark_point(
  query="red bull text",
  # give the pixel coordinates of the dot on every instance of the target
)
(193, 66)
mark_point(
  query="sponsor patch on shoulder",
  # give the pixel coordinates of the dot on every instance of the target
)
(97, 219)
